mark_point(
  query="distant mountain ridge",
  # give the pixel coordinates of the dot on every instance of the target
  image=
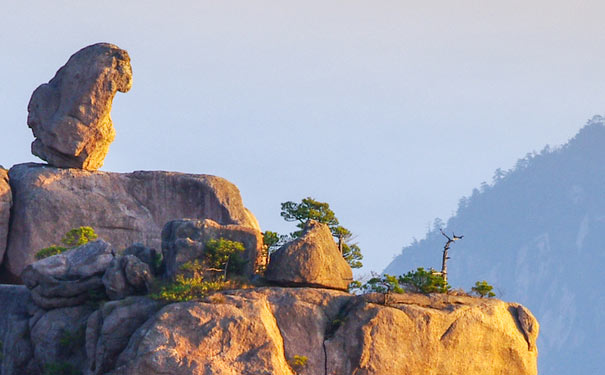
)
(536, 234)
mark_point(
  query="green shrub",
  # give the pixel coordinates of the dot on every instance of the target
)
(424, 281)
(188, 289)
(79, 236)
(74, 238)
(223, 254)
(483, 289)
(298, 362)
(61, 368)
(50, 251)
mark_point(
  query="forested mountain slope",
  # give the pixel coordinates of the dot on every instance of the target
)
(537, 234)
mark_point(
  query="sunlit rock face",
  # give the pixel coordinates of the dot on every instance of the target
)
(123, 208)
(260, 331)
(70, 115)
(312, 259)
(5, 207)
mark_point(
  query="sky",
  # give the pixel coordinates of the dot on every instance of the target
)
(390, 111)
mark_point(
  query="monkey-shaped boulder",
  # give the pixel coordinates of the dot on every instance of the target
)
(70, 115)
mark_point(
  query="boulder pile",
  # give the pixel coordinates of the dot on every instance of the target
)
(93, 310)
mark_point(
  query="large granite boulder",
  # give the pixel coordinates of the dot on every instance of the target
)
(69, 278)
(69, 115)
(123, 208)
(260, 331)
(6, 202)
(185, 240)
(109, 329)
(58, 340)
(312, 259)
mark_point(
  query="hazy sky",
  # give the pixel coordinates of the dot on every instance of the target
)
(388, 110)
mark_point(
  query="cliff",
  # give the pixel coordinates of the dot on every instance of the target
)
(261, 330)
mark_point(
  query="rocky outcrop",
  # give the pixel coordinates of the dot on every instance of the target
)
(109, 329)
(262, 330)
(70, 115)
(185, 240)
(69, 278)
(58, 339)
(123, 208)
(6, 202)
(16, 350)
(312, 259)
(257, 331)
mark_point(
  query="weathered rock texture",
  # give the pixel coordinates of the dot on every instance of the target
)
(5, 208)
(16, 349)
(69, 115)
(312, 259)
(69, 278)
(184, 241)
(127, 275)
(109, 329)
(257, 331)
(122, 208)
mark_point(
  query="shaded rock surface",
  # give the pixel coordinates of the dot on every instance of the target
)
(16, 351)
(312, 259)
(58, 337)
(69, 278)
(257, 331)
(123, 208)
(110, 328)
(184, 240)
(6, 202)
(125, 276)
(70, 115)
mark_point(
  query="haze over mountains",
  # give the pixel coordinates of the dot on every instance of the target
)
(536, 234)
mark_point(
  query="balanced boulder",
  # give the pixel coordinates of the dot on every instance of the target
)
(185, 240)
(5, 209)
(70, 115)
(122, 208)
(69, 278)
(312, 259)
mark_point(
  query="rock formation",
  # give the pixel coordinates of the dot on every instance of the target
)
(312, 259)
(66, 323)
(259, 331)
(6, 202)
(69, 115)
(184, 241)
(69, 278)
(123, 208)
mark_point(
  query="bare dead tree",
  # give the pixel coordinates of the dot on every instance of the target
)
(446, 247)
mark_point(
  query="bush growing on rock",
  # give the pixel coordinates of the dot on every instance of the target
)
(199, 278)
(483, 289)
(74, 238)
(424, 281)
(50, 251)
(298, 363)
(79, 236)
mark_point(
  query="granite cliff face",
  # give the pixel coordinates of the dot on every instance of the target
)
(123, 208)
(260, 331)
